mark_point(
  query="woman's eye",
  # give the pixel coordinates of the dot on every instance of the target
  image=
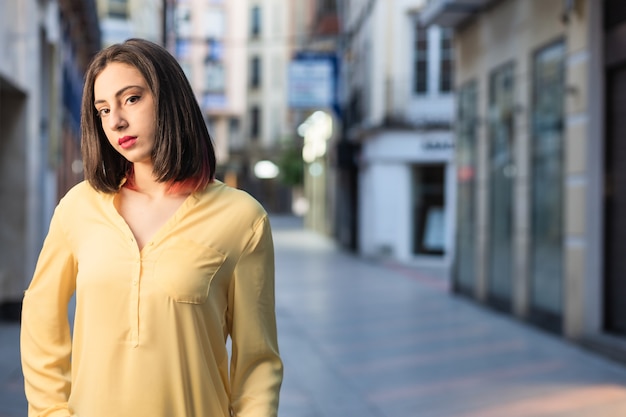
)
(133, 99)
(103, 112)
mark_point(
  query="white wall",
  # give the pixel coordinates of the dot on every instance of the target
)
(382, 192)
(385, 191)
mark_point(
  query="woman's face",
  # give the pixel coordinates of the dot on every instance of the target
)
(126, 108)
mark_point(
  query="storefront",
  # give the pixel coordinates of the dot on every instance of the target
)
(541, 98)
(406, 196)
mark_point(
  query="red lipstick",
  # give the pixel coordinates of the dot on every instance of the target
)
(127, 141)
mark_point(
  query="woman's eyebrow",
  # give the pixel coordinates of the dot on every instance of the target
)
(119, 93)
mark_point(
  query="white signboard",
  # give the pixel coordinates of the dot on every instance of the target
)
(311, 83)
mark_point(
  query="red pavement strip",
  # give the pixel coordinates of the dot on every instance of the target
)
(568, 400)
(440, 284)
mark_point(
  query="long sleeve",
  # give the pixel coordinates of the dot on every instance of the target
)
(256, 368)
(45, 331)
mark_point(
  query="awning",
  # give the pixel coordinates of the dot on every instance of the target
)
(451, 13)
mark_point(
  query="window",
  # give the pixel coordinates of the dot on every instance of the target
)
(255, 72)
(420, 69)
(187, 69)
(212, 123)
(255, 21)
(466, 161)
(183, 21)
(214, 23)
(547, 194)
(446, 74)
(428, 209)
(118, 9)
(215, 50)
(214, 102)
(183, 49)
(234, 133)
(233, 127)
(501, 184)
(255, 122)
(215, 77)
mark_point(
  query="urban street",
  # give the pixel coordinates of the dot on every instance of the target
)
(370, 338)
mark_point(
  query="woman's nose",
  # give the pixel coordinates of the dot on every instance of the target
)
(116, 120)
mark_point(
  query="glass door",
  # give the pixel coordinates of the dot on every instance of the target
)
(429, 227)
(501, 184)
(464, 266)
(546, 245)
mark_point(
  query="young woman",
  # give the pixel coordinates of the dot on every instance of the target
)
(166, 262)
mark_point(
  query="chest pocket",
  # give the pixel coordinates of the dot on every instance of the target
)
(185, 269)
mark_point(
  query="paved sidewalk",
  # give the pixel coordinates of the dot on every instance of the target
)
(361, 339)
(12, 400)
(365, 339)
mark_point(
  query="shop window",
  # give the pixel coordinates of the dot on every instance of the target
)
(429, 209)
(547, 182)
(466, 161)
(502, 173)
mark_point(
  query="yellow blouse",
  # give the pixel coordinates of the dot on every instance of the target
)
(151, 326)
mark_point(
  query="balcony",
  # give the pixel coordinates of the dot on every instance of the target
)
(451, 13)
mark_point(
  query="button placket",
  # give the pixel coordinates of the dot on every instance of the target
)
(134, 300)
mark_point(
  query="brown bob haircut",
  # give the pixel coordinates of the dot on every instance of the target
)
(183, 150)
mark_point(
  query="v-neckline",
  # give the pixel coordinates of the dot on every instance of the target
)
(163, 228)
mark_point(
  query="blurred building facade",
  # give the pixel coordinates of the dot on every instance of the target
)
(124, 19)
(396, 165)
(540, 101)
(209, 41)
(236, 54)
(314, 82)
(45, 47)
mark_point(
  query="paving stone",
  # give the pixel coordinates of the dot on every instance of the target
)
(393, 338)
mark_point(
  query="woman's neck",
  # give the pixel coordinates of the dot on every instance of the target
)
(145, 183)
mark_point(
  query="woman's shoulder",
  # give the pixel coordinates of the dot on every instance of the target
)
(79, 195)
(232, 200)
(79, 190)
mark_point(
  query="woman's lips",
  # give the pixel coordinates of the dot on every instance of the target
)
(127, 141)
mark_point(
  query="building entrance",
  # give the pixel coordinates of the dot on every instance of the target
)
(12, 198)
(615, 204)
(615, 170)
(429, 209)
(502, 172)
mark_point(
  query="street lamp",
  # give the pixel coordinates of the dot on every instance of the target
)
(266, 170)
(317, 129)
